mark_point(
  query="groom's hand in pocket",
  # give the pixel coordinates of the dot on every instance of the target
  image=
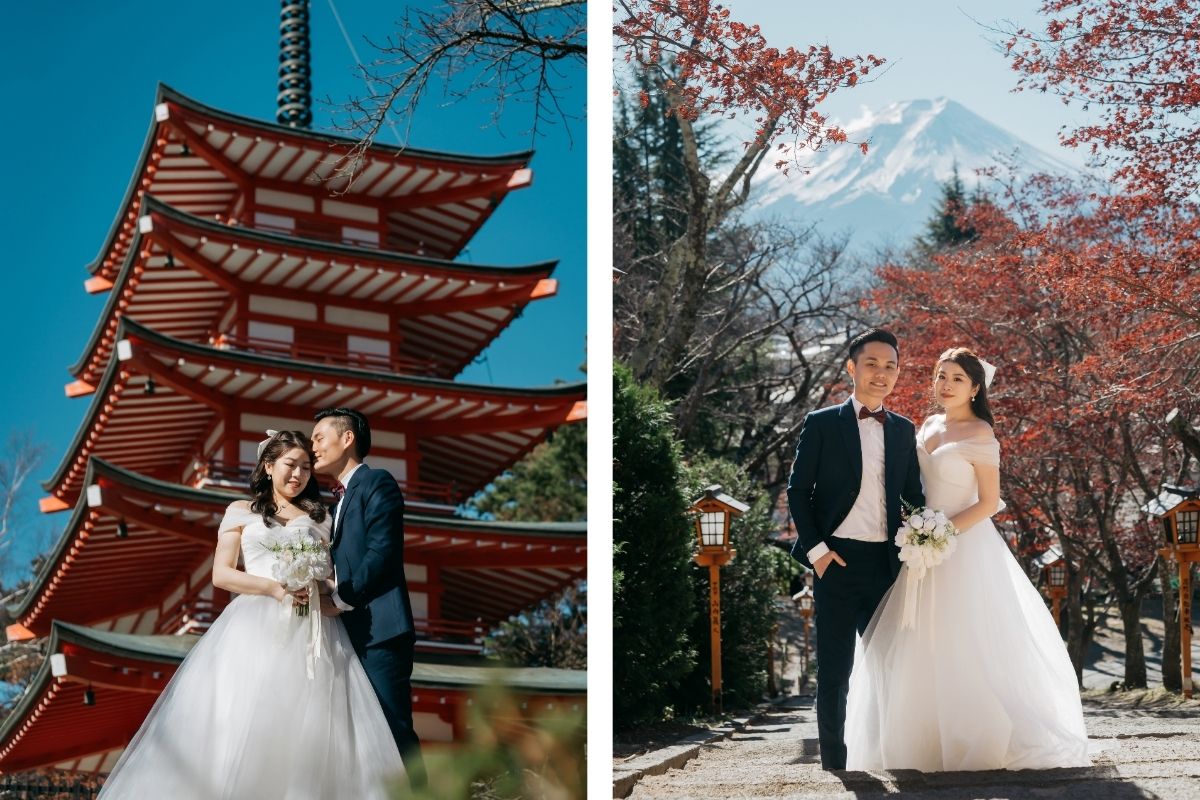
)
(328, 609)
(822, 563)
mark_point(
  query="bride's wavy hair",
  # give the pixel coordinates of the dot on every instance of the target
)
(970, 363)
(262, 493)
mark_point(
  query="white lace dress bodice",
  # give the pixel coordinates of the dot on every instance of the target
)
(983, 680)
(257, 536)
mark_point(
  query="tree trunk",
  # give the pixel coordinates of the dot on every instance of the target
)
(1135, 655)
(670, 316)
(1078, 631)
(1184, 431)
(1172, 668)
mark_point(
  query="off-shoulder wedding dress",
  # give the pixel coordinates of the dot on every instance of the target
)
(241, 718)
(982, 680)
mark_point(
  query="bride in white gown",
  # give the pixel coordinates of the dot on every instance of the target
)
(982, 680)
(242, 718)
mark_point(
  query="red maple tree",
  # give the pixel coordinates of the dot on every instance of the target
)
(1138, 63)
(1078, 458)
(721, 66)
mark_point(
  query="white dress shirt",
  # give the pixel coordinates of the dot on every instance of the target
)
(337, 514)
(867, 520)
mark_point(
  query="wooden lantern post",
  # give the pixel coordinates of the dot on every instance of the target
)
(1056, 586)
(713, 514)
(806, 606)
(806, 578)
(1179, 510)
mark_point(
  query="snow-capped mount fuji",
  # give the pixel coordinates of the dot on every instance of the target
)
(887, 195)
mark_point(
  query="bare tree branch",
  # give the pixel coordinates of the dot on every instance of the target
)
(494, 51)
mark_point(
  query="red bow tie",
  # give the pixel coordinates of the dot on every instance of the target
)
(339, 491)
(880, 415)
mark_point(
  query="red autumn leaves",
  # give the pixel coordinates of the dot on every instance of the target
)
(721, 66)
(1136, 62)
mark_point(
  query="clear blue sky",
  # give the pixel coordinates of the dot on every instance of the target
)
(73, 125)
(934, 49)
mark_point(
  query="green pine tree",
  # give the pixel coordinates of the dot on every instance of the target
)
(946, 228)
(654, 605)
(547, 485)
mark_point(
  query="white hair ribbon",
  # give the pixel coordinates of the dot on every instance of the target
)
(989, 372)
(263, 444)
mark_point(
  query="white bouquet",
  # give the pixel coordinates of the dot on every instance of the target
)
(300, 561)
(926, 539)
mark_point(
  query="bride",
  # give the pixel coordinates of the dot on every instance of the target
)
(268, 704)
(982, 679)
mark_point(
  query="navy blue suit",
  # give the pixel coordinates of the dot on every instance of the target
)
(826, 479)
(368, 553)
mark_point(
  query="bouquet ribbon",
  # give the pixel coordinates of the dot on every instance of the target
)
(912, 592)
(314, 649)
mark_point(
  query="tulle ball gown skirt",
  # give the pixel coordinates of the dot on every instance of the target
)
(241, 719)
(981, 681)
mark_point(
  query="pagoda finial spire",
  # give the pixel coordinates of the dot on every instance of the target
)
(295, 70)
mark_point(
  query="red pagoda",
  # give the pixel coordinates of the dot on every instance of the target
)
(251, 283)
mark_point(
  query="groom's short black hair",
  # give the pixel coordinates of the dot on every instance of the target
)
(347, 419)
(872, 335)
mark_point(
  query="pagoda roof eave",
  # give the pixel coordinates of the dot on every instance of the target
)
(556, 529)
(153, 204)
(99, 468)
(128, 483)
(97, 263)
(172, 649)
(167, 94)
(151, 650)
(166, 652)
(127, 326)
(160, 648)
(96, 469)
(53, 559)
(538, 680)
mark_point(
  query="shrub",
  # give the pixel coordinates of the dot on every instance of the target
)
(654, 605)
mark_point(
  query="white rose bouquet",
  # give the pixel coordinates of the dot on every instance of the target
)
(926, 539)
(300, 561)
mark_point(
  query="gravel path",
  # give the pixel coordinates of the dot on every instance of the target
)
(1156, 754)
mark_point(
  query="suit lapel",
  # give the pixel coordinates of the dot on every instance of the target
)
(849, 426)
(344, 503)
(333, 518)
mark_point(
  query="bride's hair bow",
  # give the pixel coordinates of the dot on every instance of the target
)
(272, 434)
(989, 372)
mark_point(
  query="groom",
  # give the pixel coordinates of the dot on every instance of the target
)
(854, 464)
(368, 568)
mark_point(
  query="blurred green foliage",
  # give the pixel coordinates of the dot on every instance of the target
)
(510, 752)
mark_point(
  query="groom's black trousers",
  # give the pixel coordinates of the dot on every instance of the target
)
(389, 667)
(846, 598)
